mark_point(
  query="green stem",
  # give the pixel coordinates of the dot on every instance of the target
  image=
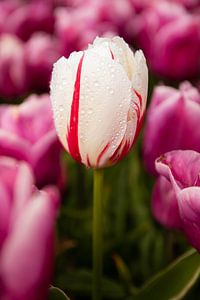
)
(97, 235)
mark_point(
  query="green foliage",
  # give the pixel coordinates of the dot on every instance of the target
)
(56, 294)
(173, 282)
(135, 246)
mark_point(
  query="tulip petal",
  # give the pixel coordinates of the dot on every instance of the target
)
(140, 79)
(137, 106)
(72, 130)
(46, 156)
(62, 89)
(104, 107)
(168, 127)
(189, 206)
(23, 189)
(14, 146)
(164, 204)
(184, 167)
(119, 50)
(4, 212)
(160, 94)
(27, 253)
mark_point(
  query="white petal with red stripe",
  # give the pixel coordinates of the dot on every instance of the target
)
(104, 106)
(119, 50)
(140, 79)
(62, 89)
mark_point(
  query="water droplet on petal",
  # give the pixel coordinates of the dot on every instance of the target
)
(61, 108)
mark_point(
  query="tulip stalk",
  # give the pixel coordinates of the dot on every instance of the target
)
(97, 234)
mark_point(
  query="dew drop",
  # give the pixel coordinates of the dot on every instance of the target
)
(61, 108)
(82, 112)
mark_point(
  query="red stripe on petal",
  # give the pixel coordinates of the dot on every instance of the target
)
(139, 97)
(125, 150)
(102, 153)
(112, 55)
(137, 110)
(72, 134)
(88, 161)
(139, 125)
(120, 152)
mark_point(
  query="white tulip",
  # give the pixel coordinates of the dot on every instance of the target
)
(99, 98)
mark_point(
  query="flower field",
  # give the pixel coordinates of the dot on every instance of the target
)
(99, 149)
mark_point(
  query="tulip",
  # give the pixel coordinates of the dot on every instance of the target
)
(6, 8)
(40, 54)
(13, 80)
(190, 4)
(181, 170)
(29, 18)
(115, 17)
(24, 136)
(26, 233)
(99, 98)
(171, 118)
(168, 34)
(88, 24)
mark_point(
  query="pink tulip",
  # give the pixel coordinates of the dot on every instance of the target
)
(102, 18)
(171, 118)
(6, 8)
(13, 80)
(27, 219)
(170, 38)
(27, 133)
(40, 54)
(73, 38)
(99, 98)
(181, 170)
(190, 4)
(29, 18)
(164, 204)
(112, 14)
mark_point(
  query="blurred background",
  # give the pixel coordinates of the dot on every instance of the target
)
(33, 35)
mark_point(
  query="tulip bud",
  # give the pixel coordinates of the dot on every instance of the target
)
(99, 98)
(179, 187)
(171, 118)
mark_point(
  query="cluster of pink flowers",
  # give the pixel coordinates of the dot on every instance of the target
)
(169, 35)
(27, 133)
(41, 31)
(171, 151)
(29, 158)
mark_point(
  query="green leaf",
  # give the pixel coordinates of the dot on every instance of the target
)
(173, 282)
(56, 294)
(80, 282)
